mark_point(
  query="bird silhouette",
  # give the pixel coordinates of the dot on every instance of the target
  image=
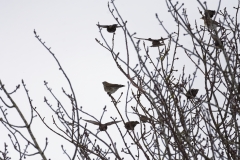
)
(102, 127)
(111, 88)
(110, 28)
(143, 118)
(131, 124)
(155, 42)
(191, 93)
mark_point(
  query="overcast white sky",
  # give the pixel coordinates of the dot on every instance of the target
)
(69, 28)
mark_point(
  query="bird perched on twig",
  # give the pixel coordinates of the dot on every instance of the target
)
(143, 118)
(131, 124)
(208, 22)
(191, 93)
(102, 127)
(111, 88)
(155, 42)
(110, 28)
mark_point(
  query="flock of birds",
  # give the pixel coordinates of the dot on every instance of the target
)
(155, 42)
(112, 88)
(208, 22)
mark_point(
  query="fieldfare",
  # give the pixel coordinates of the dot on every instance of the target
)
(111, 88)
(110, 28)
(102, 127)
(155, 42)
(191, 93)
(131, 124)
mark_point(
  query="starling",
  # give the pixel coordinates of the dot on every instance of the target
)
(111, 88)
(209, 13)
(110, 28)
(155, 42)
(191, 93)
(131, 124)
(102, 127)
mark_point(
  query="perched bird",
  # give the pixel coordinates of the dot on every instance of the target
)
(111, 88)
(155, 42)
(102, 127)
(143, 118)
(211, 24)
(191, 93)
(131, 124)
(209, 13)
(110, 28)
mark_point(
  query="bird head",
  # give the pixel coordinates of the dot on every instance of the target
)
(104, 83)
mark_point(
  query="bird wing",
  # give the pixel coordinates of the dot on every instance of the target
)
(113, 122)
(113, 85)
(142, 38)
(162, 39)
(103, 26)
(93, 122)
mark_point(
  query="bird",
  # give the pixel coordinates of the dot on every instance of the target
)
(143, 118)
(209, 13)
(110, 28)
(111, 88)
(155, 42)
(191, 93)
(131, 124)
(102, 127)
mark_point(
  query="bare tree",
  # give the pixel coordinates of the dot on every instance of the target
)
(176, 120)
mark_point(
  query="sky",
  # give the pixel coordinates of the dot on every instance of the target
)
(69, 28)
